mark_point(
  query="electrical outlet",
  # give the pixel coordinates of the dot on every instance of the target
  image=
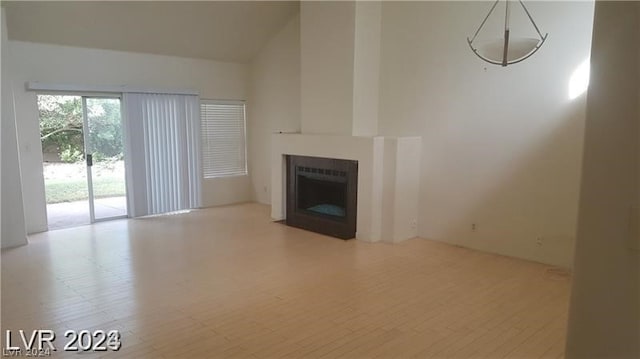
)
(474, 227)
(264, 188)
(539, 241)
(414, 224)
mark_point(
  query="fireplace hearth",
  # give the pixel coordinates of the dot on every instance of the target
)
(322, 195)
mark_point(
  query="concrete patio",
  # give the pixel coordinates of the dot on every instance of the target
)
(73, 214)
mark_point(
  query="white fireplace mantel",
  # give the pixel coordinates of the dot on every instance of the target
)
(388, 179)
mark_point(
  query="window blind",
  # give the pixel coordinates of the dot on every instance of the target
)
(223, 138)
(163, 143)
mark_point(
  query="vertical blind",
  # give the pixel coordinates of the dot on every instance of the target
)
(164, 143)
(223, 138)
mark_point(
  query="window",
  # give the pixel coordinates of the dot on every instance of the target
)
(223, 138)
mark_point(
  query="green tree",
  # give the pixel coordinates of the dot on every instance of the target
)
(105, 128)
(61, 127)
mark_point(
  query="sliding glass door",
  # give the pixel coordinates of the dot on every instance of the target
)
(83, 158)
(104, 156)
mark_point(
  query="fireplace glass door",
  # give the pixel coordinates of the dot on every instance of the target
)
(322, 195)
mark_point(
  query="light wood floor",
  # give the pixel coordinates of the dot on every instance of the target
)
(227, 282)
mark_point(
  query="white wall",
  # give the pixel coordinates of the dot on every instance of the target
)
(13, 219)
(60, 64)
(400, 176)
(366, 68)
(501, 146)
(327, 59)
(274, 102)
(604, 318)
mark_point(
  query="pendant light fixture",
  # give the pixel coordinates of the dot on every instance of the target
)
(508, 50)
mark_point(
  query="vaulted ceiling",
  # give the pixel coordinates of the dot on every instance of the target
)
(217, 30)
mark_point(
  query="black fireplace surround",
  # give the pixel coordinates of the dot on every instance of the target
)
(322, 195)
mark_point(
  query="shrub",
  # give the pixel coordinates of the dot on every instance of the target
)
(71, 155)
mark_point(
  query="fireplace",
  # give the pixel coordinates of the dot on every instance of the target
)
(322, 195)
